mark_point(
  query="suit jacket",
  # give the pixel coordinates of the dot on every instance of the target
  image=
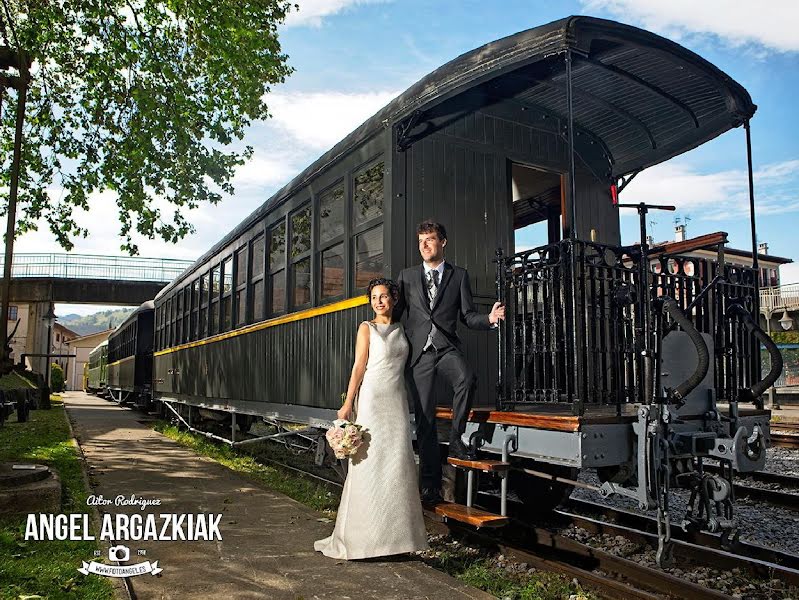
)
(453, 301)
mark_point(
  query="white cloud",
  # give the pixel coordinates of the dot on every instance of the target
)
(720, 195)
(771, 24)
(264, 171)
(320, 119)
(312, 12)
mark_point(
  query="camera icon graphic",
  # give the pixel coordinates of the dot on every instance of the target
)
(119, 553)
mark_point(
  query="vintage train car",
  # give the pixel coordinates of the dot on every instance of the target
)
(604, 344)
(130, 358)
(97, 376)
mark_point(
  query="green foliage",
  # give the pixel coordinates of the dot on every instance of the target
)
(785, 337)
(14, 381)
(56, 378)
(99, 321)
(145, 99)
(46, 569)
(310, 493)
(479, 568)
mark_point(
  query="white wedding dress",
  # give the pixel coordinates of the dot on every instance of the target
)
(380, 512)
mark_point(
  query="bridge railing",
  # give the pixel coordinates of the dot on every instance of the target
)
(89, 266)
(782, 297)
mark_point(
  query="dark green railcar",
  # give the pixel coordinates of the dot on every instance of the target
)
(97, 380)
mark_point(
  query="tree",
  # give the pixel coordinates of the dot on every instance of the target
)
(147, 99)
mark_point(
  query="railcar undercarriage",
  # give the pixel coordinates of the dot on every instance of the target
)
(653, 354)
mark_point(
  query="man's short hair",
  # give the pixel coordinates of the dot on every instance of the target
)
(431, 227)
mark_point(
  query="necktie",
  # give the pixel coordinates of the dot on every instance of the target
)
(432, 290)
(432, 286)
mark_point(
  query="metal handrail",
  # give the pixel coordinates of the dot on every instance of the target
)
(784, 297)
(90, 266)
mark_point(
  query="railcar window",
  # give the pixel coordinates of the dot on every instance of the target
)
(227, 288)
(240, 298)
(169, 321)
(331, 215)
(277, 246)
(278, 281)
(157, 328)
(258, 257)
(277, 268)
(301, 232)
(300, 267)
(257, 300)
(186, 312)
(195, 302)
(213, 311)
(179, 319)
(368, 256)
(241, 266)
(257, 294)
(301, 284)
(367, 198)
(215, 283)
(203, 315)
(332, 279)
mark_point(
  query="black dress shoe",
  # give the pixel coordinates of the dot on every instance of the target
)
(431, 496)
(457, 449)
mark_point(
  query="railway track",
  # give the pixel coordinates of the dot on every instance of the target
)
(746, 486)
(610, 575)
(707, 548)
(785, 435)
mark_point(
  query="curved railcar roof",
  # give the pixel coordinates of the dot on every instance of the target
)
(644, 98)
(98, 346)
(149, 305)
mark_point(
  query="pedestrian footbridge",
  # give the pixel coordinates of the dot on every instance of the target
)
(90, 279)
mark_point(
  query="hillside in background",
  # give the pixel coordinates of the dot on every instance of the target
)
(100, 321)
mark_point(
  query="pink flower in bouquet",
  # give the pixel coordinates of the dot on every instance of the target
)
(351, 430)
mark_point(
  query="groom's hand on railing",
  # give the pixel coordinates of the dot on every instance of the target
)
(497, 313)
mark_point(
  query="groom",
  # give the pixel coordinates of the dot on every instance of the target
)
(432, 297)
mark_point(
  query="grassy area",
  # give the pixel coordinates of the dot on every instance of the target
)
(497, 576)
(14, 381)
(315, 495)
(46, 569)
(473, 566)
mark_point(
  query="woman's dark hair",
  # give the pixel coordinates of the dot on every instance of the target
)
(430, 227)
(392, 286)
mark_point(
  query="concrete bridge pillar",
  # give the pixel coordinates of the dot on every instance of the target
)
(37, 342)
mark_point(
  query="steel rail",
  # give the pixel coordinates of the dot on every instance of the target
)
(784, 440)
(714, 557)
(646, 524)
(527, 543)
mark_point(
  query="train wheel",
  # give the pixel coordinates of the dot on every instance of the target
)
(541, 496)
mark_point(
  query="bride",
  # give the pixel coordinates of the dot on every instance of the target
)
(380, 512)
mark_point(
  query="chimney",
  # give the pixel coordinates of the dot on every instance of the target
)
(679, 233)
(762, 248)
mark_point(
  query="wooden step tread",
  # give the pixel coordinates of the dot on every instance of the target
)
(480, 465)
(470, 515)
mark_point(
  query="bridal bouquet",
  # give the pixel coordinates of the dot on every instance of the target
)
(344, 438)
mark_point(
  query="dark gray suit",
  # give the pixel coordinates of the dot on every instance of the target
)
(453, 302)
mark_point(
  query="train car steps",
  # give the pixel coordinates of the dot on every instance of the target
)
(471, 516)
(468, 514)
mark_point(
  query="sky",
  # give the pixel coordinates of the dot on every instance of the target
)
(352, 56)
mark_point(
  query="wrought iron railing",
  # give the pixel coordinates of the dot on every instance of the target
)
(575, 328)
(88, 266)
